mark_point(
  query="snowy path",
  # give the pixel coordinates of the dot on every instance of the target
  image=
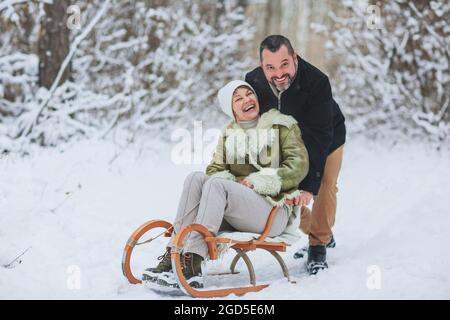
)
(393, 213)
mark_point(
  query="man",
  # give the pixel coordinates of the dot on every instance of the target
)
(285, 81)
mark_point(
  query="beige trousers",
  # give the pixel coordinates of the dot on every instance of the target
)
(318, 223)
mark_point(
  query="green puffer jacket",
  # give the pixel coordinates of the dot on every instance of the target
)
(272, 156)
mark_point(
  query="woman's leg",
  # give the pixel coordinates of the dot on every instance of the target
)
(240, 206)
(187, 211)
(190, 198)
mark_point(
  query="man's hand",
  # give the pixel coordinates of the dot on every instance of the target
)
(303, 199)
(247, 183)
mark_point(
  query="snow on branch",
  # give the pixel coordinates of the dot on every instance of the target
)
(8, 4)
(395, 77)
(160, 71)
(73, 48)
(8, 11)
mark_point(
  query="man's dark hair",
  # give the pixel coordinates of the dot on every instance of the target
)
(273, 43)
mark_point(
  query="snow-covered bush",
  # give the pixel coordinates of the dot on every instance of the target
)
(166, 63)
(18, 63)
(393, 73)
(141, 68)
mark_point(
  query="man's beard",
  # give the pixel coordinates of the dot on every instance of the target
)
(283, 87)
(290, 79)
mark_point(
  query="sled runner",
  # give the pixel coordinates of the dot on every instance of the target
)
(241, 248)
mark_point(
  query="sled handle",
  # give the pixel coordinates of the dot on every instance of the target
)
(269, 222)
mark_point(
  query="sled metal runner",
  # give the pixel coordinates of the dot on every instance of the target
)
(241, 248)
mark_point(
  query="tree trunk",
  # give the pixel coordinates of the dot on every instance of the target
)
(53, 42)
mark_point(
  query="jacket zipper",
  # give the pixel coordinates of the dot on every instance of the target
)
(279, 100)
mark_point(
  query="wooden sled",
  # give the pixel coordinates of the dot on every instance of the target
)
(241, 248)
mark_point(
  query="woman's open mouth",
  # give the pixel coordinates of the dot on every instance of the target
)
(250, 107)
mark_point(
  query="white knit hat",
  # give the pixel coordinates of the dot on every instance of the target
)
(225, 95)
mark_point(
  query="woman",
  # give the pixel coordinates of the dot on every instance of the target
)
(258, 163)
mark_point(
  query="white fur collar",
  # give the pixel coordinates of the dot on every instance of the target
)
(240, 143)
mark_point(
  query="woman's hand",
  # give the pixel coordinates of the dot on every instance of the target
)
(247, 183)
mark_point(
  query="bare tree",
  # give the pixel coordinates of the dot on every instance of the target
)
(53, 42)
(273, 22)
(145, 65)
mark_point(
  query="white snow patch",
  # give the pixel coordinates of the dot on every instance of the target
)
(76, 209)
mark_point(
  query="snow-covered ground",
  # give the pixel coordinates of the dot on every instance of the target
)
(74, 211)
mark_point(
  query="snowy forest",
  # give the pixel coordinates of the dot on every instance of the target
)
(91, 93)
(95, 68)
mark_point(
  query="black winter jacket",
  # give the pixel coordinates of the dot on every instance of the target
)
(309, 100)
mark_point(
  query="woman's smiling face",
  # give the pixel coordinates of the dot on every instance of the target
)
(245, 104)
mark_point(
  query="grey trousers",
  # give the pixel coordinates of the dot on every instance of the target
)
(221, 204)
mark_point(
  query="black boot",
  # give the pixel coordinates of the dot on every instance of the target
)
(317, 259)
(165, 265)
(332, 242)
(302, 251)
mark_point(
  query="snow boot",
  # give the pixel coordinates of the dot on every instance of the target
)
(302, 251)
(191, 266)
(317, 259)
(165, 265)
(331, 243)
